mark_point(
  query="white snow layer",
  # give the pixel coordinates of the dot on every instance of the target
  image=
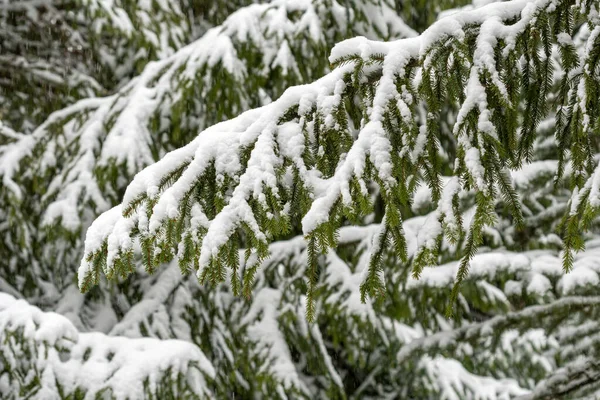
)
(92, 362)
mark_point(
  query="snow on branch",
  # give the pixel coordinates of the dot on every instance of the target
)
(578, 380)
(43, 356)
(311, 159)
(90, 150)
(555, 309)
(158, 25)
(274, 319)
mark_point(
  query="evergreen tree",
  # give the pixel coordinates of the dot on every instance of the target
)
(78, 162)
(44, 357)
(57, 51)
(356, 132)
(399, 228)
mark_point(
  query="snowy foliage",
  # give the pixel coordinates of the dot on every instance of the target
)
(355, 339)
(43, 356)
(313, 158)
(396, 227)
(62, 51)
(85, 154)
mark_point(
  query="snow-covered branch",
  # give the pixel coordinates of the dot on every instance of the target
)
(315, 154)
(44, 354)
